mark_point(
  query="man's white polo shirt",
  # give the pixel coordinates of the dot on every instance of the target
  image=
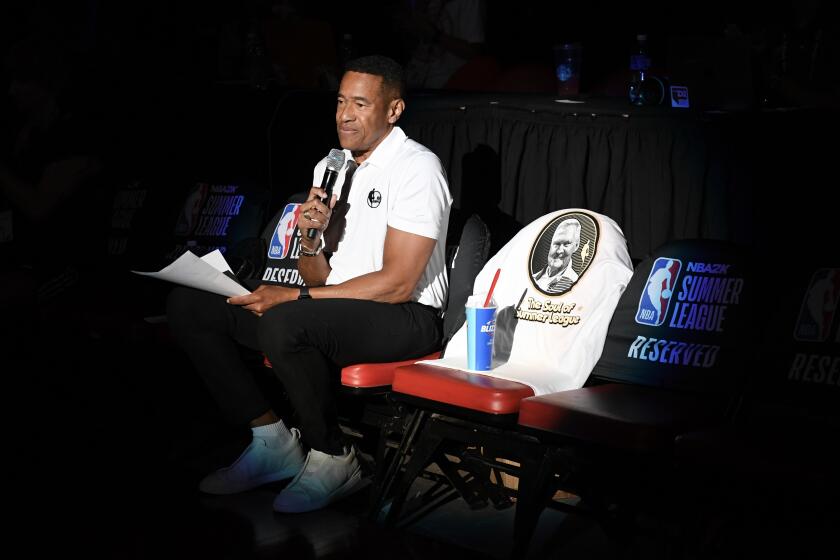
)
(401, 185)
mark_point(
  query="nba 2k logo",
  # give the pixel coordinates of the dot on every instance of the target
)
(818, 306)
(284, 233)
(658, 292)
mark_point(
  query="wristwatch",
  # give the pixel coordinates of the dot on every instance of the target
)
(304, 293)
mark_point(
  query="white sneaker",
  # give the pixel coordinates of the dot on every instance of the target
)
(259, 464)
(322, 480)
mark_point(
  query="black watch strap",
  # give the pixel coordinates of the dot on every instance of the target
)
(304, 293)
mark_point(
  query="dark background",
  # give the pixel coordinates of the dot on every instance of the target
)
(172, 80)
(102, 410)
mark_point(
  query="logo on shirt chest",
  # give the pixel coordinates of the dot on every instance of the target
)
(374, 198)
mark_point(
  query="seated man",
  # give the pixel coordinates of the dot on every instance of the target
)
(377, 298)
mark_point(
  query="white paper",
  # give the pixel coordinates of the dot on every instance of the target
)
(206, 273)
(217, 260)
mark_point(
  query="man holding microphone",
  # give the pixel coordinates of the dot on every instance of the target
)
(377, 298)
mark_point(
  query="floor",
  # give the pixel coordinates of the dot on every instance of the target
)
(109, 439)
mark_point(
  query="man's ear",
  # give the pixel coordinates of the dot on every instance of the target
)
(395, 110)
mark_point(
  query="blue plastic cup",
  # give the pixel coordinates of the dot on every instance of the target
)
(481, 324)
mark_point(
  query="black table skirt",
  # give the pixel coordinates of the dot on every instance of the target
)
(660, 173)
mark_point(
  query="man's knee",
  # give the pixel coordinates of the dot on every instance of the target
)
(186, 308)
(281, 329)
(180, 301)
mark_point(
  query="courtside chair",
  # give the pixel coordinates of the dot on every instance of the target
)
(679, 345)
(464, 261)
(548, 336)
(778, 461)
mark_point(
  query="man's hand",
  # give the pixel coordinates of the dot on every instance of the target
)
(264, 298)
(314, 214)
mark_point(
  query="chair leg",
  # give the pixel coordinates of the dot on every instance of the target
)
(388, 470)
(482, 473)
(472, 492)
(383, 459)
(423, 452)
(535, 486)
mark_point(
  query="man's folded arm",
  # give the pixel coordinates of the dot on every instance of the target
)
(404, 259)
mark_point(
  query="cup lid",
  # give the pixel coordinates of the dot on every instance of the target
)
(477, 301)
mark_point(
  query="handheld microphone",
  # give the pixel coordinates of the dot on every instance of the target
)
(335, 161)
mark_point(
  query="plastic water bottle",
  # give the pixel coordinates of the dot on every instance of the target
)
(567, 58)
(639, 66)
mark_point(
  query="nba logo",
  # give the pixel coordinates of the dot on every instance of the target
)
(284, 233)
(818, 306)
(659, 288)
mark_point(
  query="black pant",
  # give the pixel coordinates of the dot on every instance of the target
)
(306, 341)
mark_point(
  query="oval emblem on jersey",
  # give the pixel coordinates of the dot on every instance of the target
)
(562, 252)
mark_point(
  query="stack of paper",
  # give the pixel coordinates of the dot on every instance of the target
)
(205, 273)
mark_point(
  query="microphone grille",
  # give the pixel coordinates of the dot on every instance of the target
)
(335, 161)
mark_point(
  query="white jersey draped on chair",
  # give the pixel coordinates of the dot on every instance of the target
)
(561, 279)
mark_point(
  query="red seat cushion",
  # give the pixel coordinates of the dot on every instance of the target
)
(620, 416)
(376, 374)
(460, 388)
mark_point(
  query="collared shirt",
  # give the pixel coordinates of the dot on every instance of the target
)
(557, 283)
(401, 185)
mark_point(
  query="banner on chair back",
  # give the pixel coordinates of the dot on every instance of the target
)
(683, 320)
(281, 268)
(140, 223)
(801, 342)
(128, 202)
(561, 277)
(819, 306)
(217, 216)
